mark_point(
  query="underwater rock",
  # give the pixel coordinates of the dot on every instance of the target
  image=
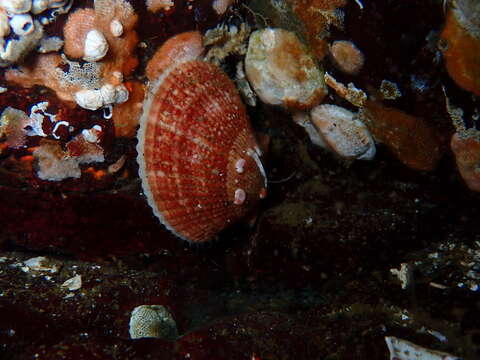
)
(462, 44)
(409, 138)
(281, 70)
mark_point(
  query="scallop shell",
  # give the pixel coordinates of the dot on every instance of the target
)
(199, 161)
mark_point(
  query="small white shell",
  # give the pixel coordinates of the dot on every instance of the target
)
(4, 26)
(16, 6)
(22, 24)
(342, 132)
(405, 350)
(16, 49)
(116, 28)
(121, 94)
(96, 46)
(108, 94)
(152, 321)
(89, 99)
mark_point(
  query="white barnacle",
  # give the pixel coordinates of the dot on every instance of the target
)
(116, 28)
(15, 49)
(240, 166)
(89, 99)
(239, 197)
(95, 47)
(107, 93)
(22, 24)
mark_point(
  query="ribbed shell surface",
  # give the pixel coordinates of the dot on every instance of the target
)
(193, 131)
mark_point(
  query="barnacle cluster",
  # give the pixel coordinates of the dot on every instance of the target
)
(91, 63)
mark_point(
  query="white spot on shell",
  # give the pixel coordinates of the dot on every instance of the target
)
(152, 321)
(240, 166)
(240, 197)
(96, 46)
(116, 28)
(263, 193)
(22, 24)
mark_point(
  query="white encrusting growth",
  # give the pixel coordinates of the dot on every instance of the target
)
(105, 96)
(57, 125)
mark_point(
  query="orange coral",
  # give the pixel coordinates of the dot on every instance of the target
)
(121, 56)
(410, 138)
(347, 57)
(43, 71)
(317, 16)
(467, 155)
(126, 115)
(79, 23)
(115, 20)
(462, 49)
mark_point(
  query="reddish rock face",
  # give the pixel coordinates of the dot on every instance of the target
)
(312, 277)
(467, 155)
(411, 140)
